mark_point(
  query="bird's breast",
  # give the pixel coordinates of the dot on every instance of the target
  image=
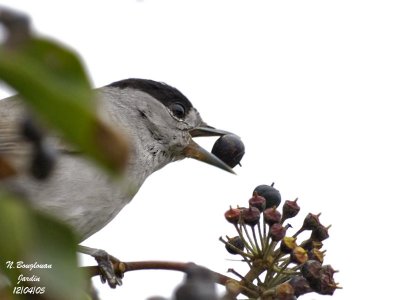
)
(78, 193)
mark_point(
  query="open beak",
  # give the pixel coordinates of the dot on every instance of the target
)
(193, 150)
(206, 130)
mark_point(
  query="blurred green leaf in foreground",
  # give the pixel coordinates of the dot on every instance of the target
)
(38, 253)
(53, 81)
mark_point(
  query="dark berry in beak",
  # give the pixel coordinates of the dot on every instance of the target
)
(230, 149)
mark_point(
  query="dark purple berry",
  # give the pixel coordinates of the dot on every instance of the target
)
(272, 216)
(328, 270)
(311, 222)
(320, 233)
(251, 216)
(277, 232)
(325, 285)
(300, 285)
(311, 270)
(234, 244)
(290, 209)
(257, 201)
(271, 195)
(233, 215)
(229, 148)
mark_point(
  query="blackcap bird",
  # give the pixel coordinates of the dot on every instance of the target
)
(159, 123)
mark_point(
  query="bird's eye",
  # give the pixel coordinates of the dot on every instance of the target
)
(178, 110)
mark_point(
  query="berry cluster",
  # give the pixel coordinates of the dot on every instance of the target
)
(281, 268)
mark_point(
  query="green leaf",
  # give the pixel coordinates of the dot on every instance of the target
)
(31, 237)
(53, 81)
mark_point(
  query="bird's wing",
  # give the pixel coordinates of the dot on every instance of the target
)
(14, 148)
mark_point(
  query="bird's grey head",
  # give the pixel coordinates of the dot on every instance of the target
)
(166, 122)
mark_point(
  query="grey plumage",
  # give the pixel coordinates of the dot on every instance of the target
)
(77, 192)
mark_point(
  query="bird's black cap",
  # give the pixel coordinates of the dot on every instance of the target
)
(180, 107)
(163, 92)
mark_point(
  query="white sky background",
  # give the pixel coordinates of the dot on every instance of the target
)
(310, 86)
